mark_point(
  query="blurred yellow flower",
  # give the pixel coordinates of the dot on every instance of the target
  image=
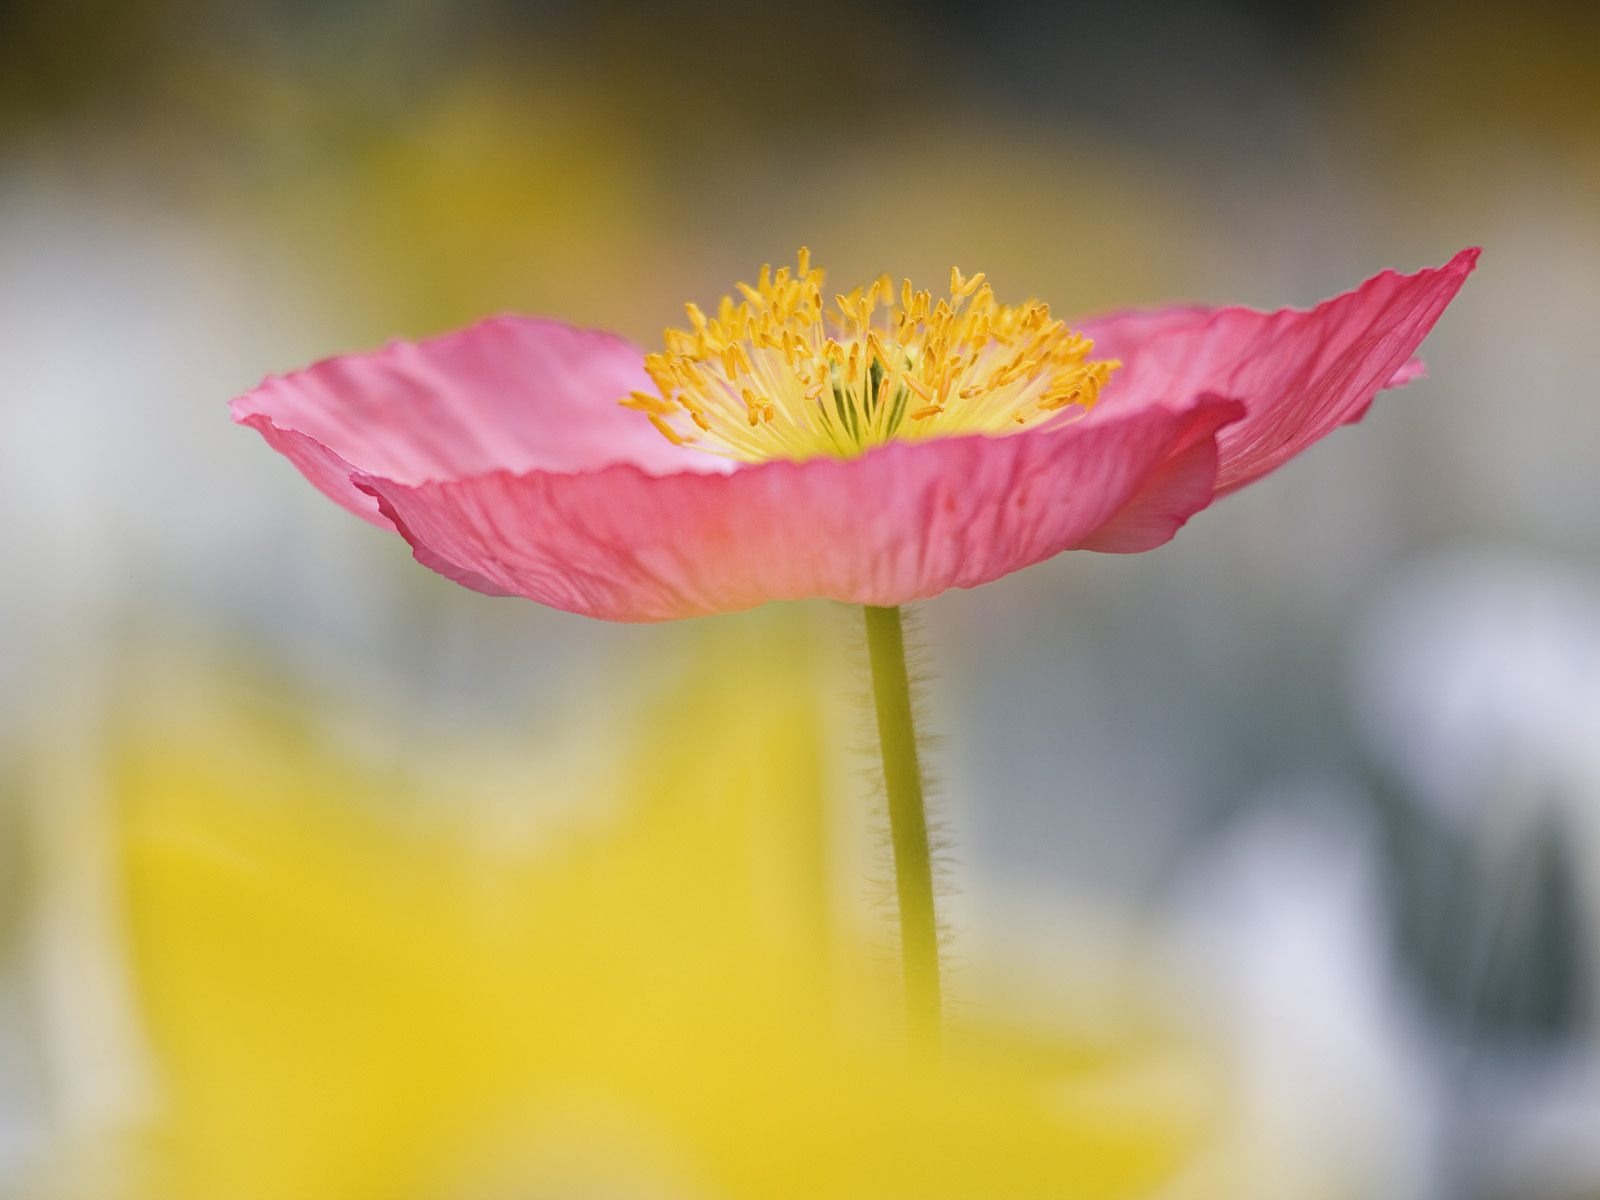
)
(347, 1003)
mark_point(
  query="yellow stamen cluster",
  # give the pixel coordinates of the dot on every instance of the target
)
(779, 375)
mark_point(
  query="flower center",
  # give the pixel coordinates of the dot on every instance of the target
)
(778, 375)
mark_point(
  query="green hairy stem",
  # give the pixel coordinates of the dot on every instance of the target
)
(908, 826)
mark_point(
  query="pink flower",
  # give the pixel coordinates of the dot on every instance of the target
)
(778, 451)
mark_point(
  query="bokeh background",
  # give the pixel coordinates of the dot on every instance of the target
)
(1273, 852)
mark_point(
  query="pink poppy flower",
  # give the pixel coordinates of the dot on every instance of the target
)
(877, 449)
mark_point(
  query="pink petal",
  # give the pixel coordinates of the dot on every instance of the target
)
(1184, 483)
(1299, 374)
(901, 523)
(510, 393)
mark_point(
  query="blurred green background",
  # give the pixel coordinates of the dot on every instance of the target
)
(1275, 846)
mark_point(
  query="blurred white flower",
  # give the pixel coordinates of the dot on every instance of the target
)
(1476, 679)
(1284, 930)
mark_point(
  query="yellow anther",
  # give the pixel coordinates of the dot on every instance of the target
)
(753, 405)
(645, 402)
(666, 431)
